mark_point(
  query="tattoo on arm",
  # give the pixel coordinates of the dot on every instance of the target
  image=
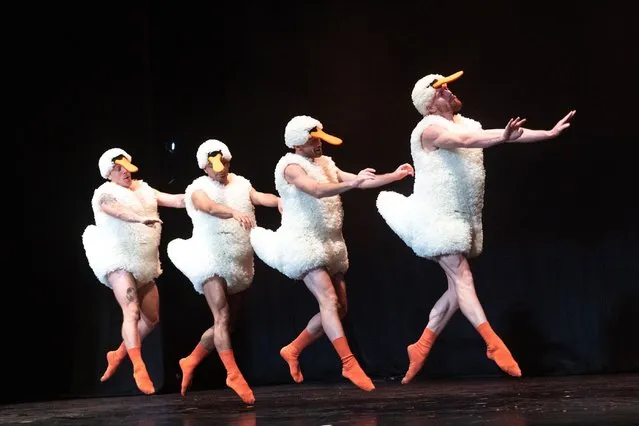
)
(107, 199)
(131, 294)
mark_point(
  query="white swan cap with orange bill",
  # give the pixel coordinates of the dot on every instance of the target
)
(426, 87)
(302, 127)
(213, 151)
(114, 156)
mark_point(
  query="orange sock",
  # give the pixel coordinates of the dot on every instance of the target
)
(234, 378)
(417, 353)
(114, 358)
(140, 374)
(350, 367)
(292, 351)
(497, 350)
(189, 363)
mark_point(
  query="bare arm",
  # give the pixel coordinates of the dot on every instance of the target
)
(529, 135)
(112, 207)
(439, 137)
(263, 199)
(170, 200)
(295, 175)
(378, 180)
(204, 204)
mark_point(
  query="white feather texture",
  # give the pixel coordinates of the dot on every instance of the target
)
(217, 246)
(297, 130)
(443, 215)
(211, 145)
(113, 244)
(310, 235)
(422, 94)
(105, 163)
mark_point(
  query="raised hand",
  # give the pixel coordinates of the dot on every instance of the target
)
(513, 129)
(562, 124)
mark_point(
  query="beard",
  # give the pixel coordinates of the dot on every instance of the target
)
(315, 152)
(456, 105)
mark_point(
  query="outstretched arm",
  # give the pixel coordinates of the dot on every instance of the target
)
(263, 199)
(529, 135)
(295, 175)
(378, 180)
(170, 200)
(203, 203)
(440, 137)
(112, 207)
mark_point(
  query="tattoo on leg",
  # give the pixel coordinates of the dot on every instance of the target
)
(130, 294)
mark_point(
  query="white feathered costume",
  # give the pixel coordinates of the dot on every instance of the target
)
(443, 215)
(112, 244)
(310, 235)
(217, 246)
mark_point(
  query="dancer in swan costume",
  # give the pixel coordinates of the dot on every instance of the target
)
(442, 219)
(309, 245)
(218, 258)
(122, 250)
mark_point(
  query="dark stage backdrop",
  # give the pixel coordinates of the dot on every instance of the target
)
(558, 277)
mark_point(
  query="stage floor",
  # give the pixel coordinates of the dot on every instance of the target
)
(574, 400)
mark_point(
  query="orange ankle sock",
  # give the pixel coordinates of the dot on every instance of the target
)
(497, 350)
(140, 374)
(417, 353)
(234, 378)
(114, 358)
(189, 363)
(292, 351)
(350, 367)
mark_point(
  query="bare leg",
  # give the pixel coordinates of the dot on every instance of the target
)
(124, 288)
(320, 284)
(149, 299)
(444, 309)
(314, 326)
(215, 293)
(439, 316)
(459, 270)
(313, 330)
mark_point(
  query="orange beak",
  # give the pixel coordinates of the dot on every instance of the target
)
(448, 79)
(216, 162)
(333, 140)
(124, 162)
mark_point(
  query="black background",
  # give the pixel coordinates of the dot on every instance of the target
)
(558, 278)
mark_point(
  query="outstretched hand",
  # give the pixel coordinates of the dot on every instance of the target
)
(513, 129)
(562, 124)
(404, 170)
